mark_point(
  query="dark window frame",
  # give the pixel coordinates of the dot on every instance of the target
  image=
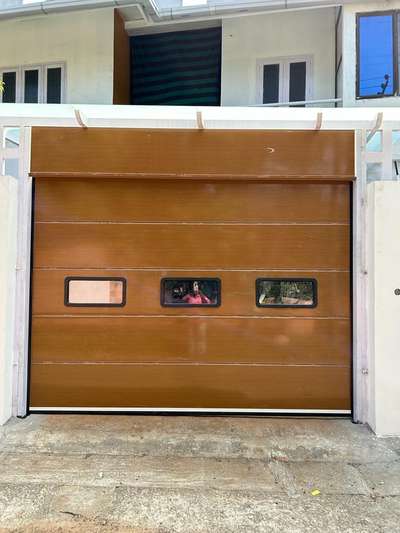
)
(164, 280)
(396, 53)
(94, 278)
(280, 306)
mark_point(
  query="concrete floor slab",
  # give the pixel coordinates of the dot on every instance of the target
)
(114, 470)
(293, 439)
(328, 478)
(77, 473)
(382, 479)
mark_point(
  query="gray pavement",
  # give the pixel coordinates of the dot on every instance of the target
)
(145, 474)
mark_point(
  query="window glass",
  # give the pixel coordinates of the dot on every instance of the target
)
(271, 84)
(181, 292)
(374, 144)
(10, 87)
(11, 138)
(297, 82)
(54, 85)
(95, 291)
(374, 171)
(11, 167)
(375, 51)
(286, 292)
(31, 88)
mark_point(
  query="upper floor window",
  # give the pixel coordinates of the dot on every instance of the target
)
(377, 55)
(38, 84)
(284, 80)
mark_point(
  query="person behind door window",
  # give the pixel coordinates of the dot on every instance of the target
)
(195, 296)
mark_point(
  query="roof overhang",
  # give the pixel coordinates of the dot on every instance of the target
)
(154, 12)
(231, 118)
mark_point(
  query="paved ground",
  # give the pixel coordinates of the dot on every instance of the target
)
(182, 474)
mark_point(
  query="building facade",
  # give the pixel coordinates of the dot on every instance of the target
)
(199, 209)
(215, 56)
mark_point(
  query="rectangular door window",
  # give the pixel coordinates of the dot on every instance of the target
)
(39, 84)
(284, 80)
(31, 86)
(10, 87)
(272, 292)
(104, 292)
(271, 84)
(297, 82)
(53, 86)
(190, 292)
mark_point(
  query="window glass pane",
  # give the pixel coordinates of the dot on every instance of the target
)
(375, 61)
(11, 167)
(10, 87)
(396, 154)
(374, 144)
(95, 291)
(184, 292)
(374, 171)
(31, 89)
(54, 85)
(286, 292)
(271, 84)
(297, 82)
(11, 138)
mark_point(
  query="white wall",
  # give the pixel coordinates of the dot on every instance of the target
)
(8, 240)
(246, 39)
(84, 40)
(350, 57)
(384, 306)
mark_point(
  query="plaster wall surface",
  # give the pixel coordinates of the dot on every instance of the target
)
(350, 56)
(83, 40)
(277, 35)
(384, 306)
(8, 254)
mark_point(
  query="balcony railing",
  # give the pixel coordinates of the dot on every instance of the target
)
(326, 102)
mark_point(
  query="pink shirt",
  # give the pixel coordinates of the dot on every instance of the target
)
(196, 299)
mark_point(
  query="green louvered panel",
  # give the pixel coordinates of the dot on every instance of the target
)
(177, 68)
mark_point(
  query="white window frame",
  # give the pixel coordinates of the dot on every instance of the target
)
(63, 80)
(42, 80)
(284, 73)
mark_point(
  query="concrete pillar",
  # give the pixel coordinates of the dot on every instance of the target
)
(384, 306)
(8, 258)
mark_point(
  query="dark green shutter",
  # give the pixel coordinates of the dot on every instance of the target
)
(177, 68)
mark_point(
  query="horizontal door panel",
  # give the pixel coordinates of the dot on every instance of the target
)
(124, 200)
(257, 387)
(238, 296)
(195, 339)
(236, 153)
(185, 246)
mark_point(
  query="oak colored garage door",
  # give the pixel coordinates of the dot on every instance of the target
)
(190, 293)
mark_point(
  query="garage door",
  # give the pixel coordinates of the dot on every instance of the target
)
(195, 293)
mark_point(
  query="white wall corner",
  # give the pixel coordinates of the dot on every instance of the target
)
(384, 317)
(8, 259)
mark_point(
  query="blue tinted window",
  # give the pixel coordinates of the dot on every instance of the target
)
(376, 61)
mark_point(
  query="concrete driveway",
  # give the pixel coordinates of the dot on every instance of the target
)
(185, 474)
